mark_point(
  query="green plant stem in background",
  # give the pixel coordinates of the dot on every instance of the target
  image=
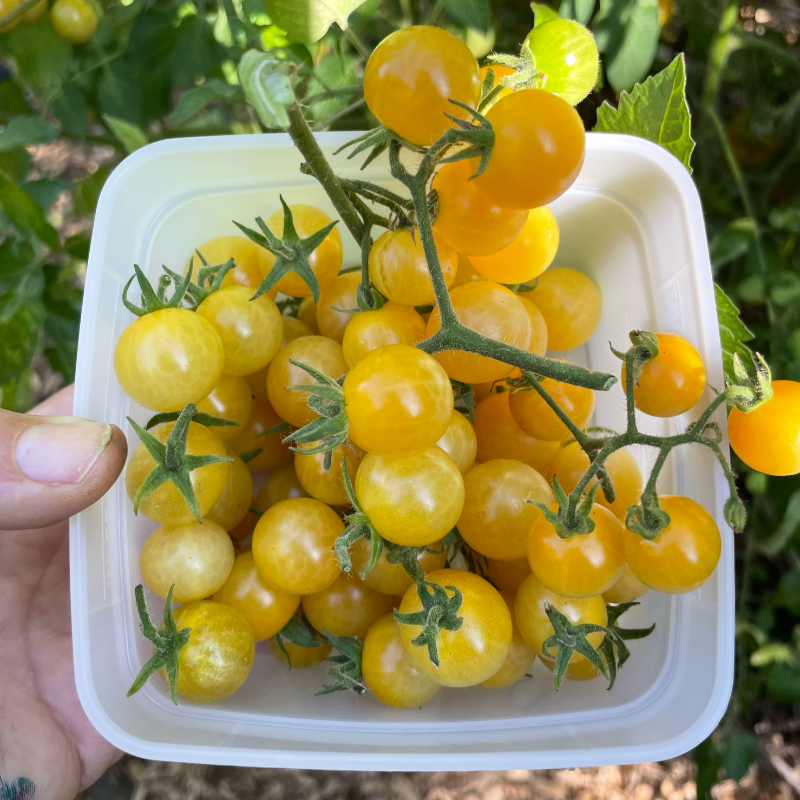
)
(23, 8)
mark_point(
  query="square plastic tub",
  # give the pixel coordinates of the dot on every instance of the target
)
(633, 222)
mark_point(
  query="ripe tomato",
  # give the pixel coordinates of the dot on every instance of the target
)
(571, 464)
(168, 359)
(538, 343)
(234, 502)
(411, 77)
(467, 219)
(315, 351)
(325, 261)
(571, 305)
(399, 401)
(627, 588)
(478, 648)
(293, 329)
(248, 257)
(459, 442)
(75, 20)
(273, 451)
(582, 566)
(197, 558)
(399, 269)
(499, 435)
(535, 417)
(293, 545)
(265, 608)
(507, 576)
(673, 381)
(666, 9)
(251, 330)
(500, 72)
(534, 624)
(302, 657)
(229, 399)
(683, 555)
(370, 330)
(281, 484)
(539, 145)
(492, 310)
(327, 485)
(528, 255)
(413, 500)
(582, 670)
(338, 304)
(768, 439)
(35, 13)
(387, 671)
(165, 504)
(307, 313)
(497, 515)
(220, 652)
(389, 578)
(520, 657)
(466, 272)
(348, 607)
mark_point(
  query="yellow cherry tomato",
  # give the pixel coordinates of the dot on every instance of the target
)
(165, 504)
(392, 579)
(386, 670)
(497, 515)
(584, 565)
(459, 442)
(307, 313)
(768, 438)
(197, 558)
(411, 77)
(507, 576)
(535, 417)
(571, 464)
(327, 485)
(369, 330)
(414, 500)
(273, 451)
(247, 261)
(6, 7)
(673, 381)
(478, 648)
(325, 260)
(75, 20)
(234, 502)
(571, 305)
(265, 608)
(302, 657)
(169, 358)
(314, 351)
(399, 269)
(500, 71)
(220, 652)
(520, 657)
(229, 399)
(466, 272)
(338, 304)
(582, 670)
(626, 589)
(528, 255)
(492, 310)
(399, 401)
(683, 556)
(293, 545)
(36, 13)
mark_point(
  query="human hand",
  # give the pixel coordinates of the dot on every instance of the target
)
(51, 466)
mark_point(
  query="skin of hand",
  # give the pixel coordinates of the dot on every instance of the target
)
(51, 466)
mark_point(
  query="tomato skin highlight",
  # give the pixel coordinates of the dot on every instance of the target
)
(167, 359)
(672, 382)
(399, 401)
(478, 649)
(459, 442)
(413, 74)
(683, 556)
(768, 438)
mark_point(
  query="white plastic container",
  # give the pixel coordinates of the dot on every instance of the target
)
(633, 222)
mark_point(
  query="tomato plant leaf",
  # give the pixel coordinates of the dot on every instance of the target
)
(579, 10)
(655, 110)
(25, 131)
(130, 136)
(24, 211)
(195, 100)
(733, 333)
(470, 13)
(542, 13)
(631, 62)
(732, 242)
(21, 326)
(43, 57)
(309, 21)
(17, 395)
(739, 754)
(267, 87)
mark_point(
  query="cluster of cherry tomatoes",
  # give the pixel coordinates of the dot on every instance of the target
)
(74, 20)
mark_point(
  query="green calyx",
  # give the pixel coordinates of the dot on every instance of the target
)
(525, 75)
(461, 556)
(464, 398)
(291, 252)
(200, 417)
(615, 651)
(573, 517)
(209, 278)
(346, 674)
(647, 519)
(297, 632)
(156, 299)
(644, 349)
(168, 641)
(376, 141)
(172, 461)
(477, 133)
(747, 393)
(439, 612)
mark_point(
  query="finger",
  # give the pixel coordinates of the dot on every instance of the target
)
(54, 466)
(58, 404)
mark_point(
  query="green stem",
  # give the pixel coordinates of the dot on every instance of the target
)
(358, 45)
(328, 121)
(579, 436)
(629, 398)
(719, 51)
(16, 13)
(665, 450)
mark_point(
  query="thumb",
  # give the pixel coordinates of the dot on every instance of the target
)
(52, 467)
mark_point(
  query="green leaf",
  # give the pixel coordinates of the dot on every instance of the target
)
(656, 110)
(733, 333)
(542, 13)
(579, 10)
(195, 100)
(119, 95)
(783, 683)
(268, 87)
(44, 58)
(777, 542)
(732, 242)
(20, 335)
(631, 60)
(308, 21)
(609, 24)
(17, 394)
(25, 131)
(24, 211)
(708, 761)
(45, 191)
(470, 13)
(130, 136)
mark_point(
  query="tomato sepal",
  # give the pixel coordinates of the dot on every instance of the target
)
(200, 417)
(156, 299)
(748, 394)
(297, 632)
(614, 650)
(525, 75)
(346, 674)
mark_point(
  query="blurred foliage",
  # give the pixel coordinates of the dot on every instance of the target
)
(164, 68)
